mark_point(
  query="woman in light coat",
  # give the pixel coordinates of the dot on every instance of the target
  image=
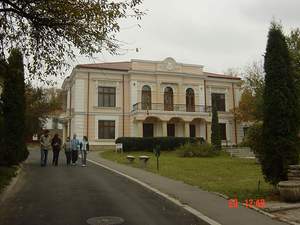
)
(84, 149)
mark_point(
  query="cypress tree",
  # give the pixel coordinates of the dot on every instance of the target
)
(14, 110)
(3, 70)
(280, 113)
(215, 129)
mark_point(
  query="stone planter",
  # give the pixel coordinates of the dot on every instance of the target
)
(289, 191)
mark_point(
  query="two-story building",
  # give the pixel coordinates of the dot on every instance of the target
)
(142, 98)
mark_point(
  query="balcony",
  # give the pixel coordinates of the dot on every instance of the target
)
(175, 107)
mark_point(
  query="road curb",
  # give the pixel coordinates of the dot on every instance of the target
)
(166, 196)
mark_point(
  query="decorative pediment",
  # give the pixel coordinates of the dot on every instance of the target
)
(169, 64)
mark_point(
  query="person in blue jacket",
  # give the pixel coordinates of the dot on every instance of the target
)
(75, 147)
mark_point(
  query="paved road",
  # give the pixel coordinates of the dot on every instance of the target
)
(70, 195)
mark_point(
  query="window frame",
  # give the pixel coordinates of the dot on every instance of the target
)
(192, 128)
(190, 100)
(171, 130)
(223, 134)
(148, 130)
(107, 129)
(107, 96)
(168, 99)
(146, 98)
(221, 105)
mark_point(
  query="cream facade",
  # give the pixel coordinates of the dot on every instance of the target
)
(148, 98)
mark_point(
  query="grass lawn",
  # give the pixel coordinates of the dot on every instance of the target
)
(6, 174)
(233, 177)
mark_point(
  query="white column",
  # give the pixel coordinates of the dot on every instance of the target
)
(140, 128)
(164, 129)
(186, 129)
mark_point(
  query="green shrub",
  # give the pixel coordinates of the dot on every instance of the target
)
(148, 143)
(253, 139)
(196, 150)
(215, 129)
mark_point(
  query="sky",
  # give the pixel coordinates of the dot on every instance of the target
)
(216, 34)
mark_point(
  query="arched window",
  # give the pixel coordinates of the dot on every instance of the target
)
(168, 99)
(146, 97)
(190, 100)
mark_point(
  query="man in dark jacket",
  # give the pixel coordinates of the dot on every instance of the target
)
(56, 146)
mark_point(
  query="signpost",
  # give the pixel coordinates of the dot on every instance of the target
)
(156, 151)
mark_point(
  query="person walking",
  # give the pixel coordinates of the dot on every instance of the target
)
(84, 149)
(45, 146)
(75, 146)
(67, 148)
(56, 146)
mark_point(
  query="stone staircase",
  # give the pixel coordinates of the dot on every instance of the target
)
(240, 152)
(294, 173)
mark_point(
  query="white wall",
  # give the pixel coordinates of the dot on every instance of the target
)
(79, 95)
(78, 125)
(201, 95)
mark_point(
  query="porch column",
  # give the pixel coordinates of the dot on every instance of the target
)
(164, 129)
(186, 129)
(65, 132)
(140, 128)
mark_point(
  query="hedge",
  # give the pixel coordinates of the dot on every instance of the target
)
(148, 143)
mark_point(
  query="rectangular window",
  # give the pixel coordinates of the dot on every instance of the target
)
(106, 96)
(106, 129)
(222, 131)
(245, 129)
(218, 99)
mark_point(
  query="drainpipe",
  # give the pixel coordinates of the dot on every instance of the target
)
(233, 97)
(88, 107)
(70, 114)
(123, 100)
(205, 106)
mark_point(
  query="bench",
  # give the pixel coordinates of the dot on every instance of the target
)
(143, 160)
(130, 158)
(119, 147)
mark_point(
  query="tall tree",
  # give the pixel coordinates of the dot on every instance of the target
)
(50, 31)
(3, 69)
(293, 41)
(14, 110)
(40, 103)
(280, 113)
(215, 129)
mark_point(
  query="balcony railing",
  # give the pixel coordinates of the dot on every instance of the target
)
(175, 107)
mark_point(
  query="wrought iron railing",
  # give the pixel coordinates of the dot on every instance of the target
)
(168, 107)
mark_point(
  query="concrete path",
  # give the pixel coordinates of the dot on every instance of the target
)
(71, 195)
(209, 204)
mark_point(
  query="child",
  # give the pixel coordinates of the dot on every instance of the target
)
(67, 148)
(84, 148)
